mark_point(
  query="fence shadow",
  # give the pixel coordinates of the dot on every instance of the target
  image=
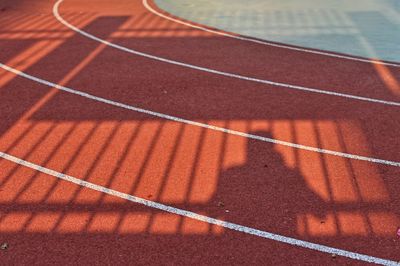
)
(321, 198)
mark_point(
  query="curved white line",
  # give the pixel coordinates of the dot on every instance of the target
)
(204, 69)
(242, 38)
(198, 124)
(181, 212)
(199, 217)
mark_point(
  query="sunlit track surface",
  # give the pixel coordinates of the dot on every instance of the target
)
(339, 202)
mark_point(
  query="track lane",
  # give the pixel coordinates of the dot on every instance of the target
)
(202, 218)
(215, 55)
(150, 184)
(42, 116)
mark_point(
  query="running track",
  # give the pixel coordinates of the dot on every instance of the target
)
(299, 145)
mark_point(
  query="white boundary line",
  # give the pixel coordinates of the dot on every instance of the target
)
(202, 218)
(192, 215)
(198, 124)
(213, 71)
(242, 38)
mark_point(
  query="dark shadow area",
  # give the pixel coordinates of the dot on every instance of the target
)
(150, 249)
(194, 95)
(17, 100)
(11, 48)
(266, 193)
(306, 195)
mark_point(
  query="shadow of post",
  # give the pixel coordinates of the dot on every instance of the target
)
(266, 192)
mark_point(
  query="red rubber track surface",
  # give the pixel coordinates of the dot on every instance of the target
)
(342, 203)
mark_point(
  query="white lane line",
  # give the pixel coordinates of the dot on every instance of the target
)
(198, 124)
(202, 218)
(242, 38)
(204, 69)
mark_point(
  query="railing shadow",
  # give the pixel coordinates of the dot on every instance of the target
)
(322, 198)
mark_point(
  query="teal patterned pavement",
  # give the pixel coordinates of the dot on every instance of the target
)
(366, 28)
